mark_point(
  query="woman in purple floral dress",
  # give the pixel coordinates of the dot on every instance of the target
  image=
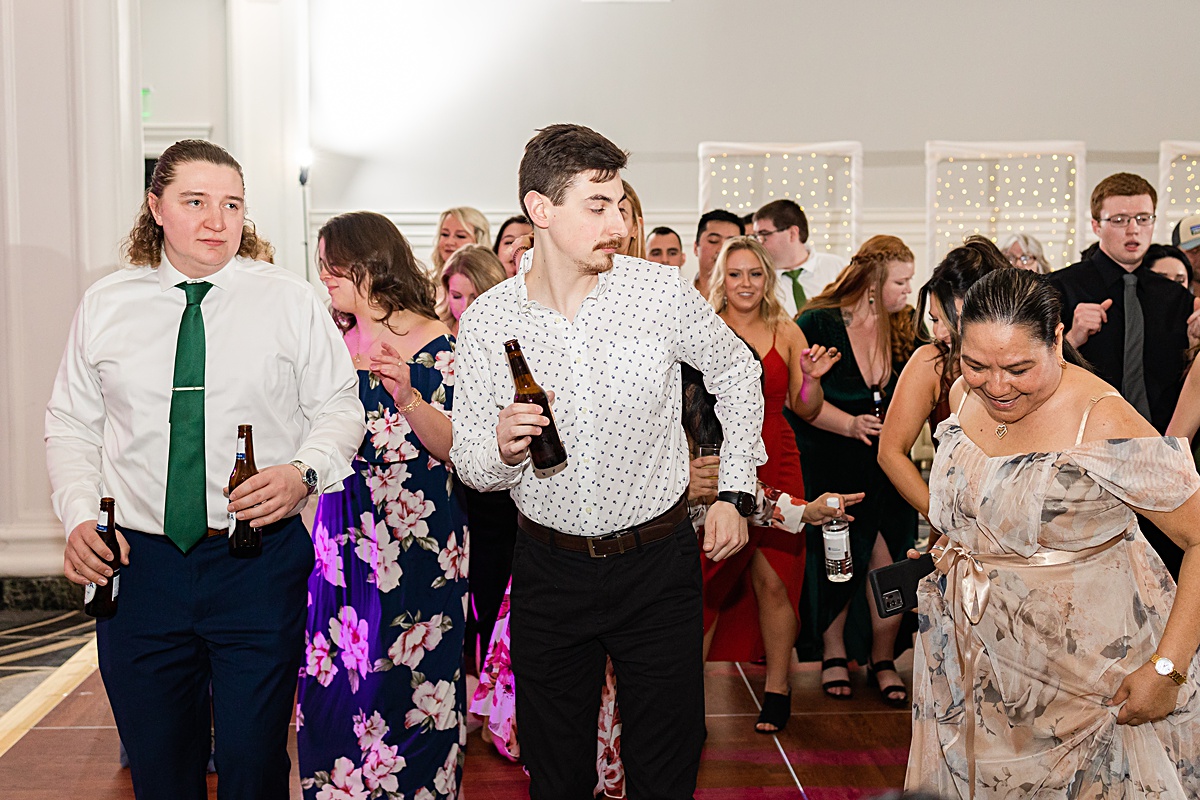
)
(381, 700)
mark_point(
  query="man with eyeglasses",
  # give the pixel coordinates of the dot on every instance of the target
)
(801, 271)
(1129, 322)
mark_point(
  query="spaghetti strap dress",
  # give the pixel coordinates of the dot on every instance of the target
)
(728, 596)
(1046, 598)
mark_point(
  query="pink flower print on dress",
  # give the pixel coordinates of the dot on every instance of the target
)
(345, 783)
(320, 663)
(410, 647)
(369, 731)
(384, 558)
(453, 560)
(406, 516)
(351, 634)
(443, 362)
(446, 780)
(385, 483)
(434, 707)
(328, 556)
(389, 432)
(380, 767)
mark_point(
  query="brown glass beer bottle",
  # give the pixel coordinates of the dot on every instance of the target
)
(244, 541)
(879, 408)
(545, 449)
(101, 601)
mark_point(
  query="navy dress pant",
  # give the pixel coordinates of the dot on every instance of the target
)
(183, 621)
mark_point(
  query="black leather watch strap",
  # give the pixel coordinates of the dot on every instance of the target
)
(742, 501)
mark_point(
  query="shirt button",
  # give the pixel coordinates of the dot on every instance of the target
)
(588, 509)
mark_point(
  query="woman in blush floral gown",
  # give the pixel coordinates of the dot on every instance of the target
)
(380, 709)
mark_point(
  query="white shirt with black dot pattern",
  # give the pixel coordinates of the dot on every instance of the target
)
(615, 375)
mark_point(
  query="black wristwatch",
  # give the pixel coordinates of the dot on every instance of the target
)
(743, 502)
(307, 474)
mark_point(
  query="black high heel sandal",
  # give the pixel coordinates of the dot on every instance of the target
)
(894, 695)
(834, 663)
(776, 710)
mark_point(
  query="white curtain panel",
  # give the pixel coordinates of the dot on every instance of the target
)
(999, 188)
(1178, 185)
(825, 179)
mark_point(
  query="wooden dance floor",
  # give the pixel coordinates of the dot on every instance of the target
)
(60, 741)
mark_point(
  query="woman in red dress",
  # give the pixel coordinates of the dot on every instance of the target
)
(751, 598)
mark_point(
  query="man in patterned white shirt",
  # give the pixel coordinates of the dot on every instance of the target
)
(606, 562)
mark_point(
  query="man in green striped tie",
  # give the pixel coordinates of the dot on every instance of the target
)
(803, 271)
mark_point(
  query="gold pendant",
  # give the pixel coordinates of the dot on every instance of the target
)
(1001, 429)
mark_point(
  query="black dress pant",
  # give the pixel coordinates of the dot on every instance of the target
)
(492, 520)
(643, 609)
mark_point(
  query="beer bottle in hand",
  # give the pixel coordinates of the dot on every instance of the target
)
(879, 408)
(244, 541)
(101, 601)
(545, 449)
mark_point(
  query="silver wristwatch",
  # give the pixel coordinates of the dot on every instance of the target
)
(307, 474)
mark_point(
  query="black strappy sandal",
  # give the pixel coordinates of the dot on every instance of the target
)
(776, 710)
(894, 695)
(834, 663)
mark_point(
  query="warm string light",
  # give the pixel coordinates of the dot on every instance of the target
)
(820, 183)
(1014, 193)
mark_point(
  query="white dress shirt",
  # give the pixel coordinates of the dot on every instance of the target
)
(818, 271)
(274, 360)
(615, 375)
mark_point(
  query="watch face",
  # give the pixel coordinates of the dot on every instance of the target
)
(310, 477)
(1164, 666)
(745, 504)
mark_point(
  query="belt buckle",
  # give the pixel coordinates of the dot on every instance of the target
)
(591, 543)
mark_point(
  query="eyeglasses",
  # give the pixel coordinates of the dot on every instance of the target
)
(762, 236)
(1123, 220)
(1022, 260)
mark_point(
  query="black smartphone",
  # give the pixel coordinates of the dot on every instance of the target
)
(895, 586)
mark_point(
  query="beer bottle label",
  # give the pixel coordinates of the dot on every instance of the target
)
(89, 593)
(116, 583)
(232, 523)
(241, 451)
(102, 522)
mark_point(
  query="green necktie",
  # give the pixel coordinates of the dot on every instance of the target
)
(797, 290)
(186, 513)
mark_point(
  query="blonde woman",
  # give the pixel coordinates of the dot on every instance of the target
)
(631, 213)
(865, 314)
(458, 227)
(468, 273)
(743, 625)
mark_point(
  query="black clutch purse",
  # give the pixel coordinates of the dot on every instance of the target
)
(895, 586)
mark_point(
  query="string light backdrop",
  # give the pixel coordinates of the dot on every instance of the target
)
(998, 188)
(824, 179)
(1178, 185)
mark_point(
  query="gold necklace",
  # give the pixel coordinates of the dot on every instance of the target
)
(1001, 429)
(363, 353)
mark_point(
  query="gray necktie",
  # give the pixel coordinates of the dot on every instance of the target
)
(1133, 384)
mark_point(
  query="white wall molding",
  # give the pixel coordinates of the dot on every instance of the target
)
(159, 136)
(71, 173)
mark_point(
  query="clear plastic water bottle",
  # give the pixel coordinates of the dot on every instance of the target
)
(839, 567)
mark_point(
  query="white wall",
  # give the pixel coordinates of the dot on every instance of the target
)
(69, 178)
(184, 67)
(418, 106)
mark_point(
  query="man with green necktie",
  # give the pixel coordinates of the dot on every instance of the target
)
(164, 360)
(802, 272)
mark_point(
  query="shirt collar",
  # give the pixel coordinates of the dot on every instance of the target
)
(169, 277)
(1110, 271)
(523, 301)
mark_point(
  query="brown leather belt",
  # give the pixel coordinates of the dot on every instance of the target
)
(609, 544)
(274, 526)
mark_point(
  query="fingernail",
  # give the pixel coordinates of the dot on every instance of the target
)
(103, 581)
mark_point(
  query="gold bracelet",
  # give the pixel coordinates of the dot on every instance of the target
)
(416, 401)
